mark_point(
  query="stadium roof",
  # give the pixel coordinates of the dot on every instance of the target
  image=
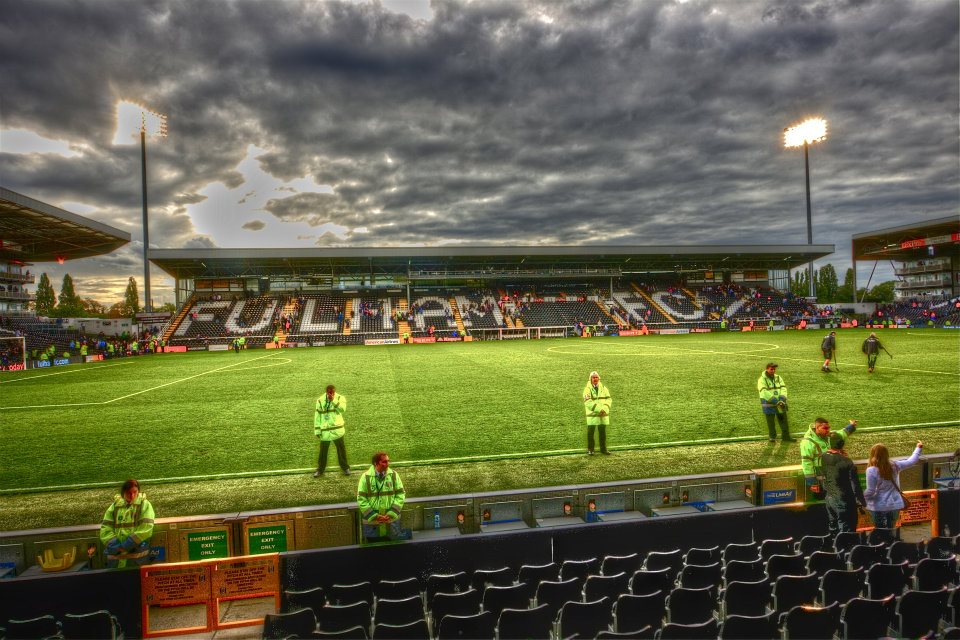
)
(33, 231)
(466, 261)
(908, 241)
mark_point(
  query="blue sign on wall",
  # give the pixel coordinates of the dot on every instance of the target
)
(780, 495)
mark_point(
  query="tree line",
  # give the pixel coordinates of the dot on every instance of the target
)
(70, 304)
(830, 291)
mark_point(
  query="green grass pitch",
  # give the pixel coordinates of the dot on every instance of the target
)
(221, 432)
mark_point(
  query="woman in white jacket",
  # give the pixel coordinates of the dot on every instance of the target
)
(884, 501)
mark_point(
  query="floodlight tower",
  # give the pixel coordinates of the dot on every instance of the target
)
(134, 117)
(803, 135)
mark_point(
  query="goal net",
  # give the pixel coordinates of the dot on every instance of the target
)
(13, 352)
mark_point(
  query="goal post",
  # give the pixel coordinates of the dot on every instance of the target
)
(13, 353)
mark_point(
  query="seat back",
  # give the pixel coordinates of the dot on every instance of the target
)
(690, 606)
(791, 591)
(465, 603)
(881, 535)
(933, 573)
(313, 599)
(809, 544)
(886, 579)
(403, 611)
(535, 573)
(703, 556)
(697, 576)
(496, 599)
(664, 560)
(353, 633)
(918, 612)
(865, 618)
(678, 631)
(747, 552)
(746, 598)
(579, 568)
(517, 624)
(612, 586)
(785, 565)
(482, 578)
(446, 583)
(901, 551)
(840, 586)
(97, 625)
(776, 547)
(744, 571)
(846, 540)
(940, 547)
(819, 562)
(337, 617)
(281, 625)
(555, 594)
(864, 556)
(612, 565)
(479, 625)
(397, 589)
(737, 627)
(585, 619)
(644, 581)
(635, 612)
(413, 631)
(340, 594)
(811, 622)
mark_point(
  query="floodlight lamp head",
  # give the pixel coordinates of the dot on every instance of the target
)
(134, 119)
(806, 132)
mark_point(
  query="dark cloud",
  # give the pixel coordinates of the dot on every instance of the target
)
(498, 122)
(254, 225)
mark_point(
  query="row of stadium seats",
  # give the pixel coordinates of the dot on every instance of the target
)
(697, 593)
(97, 624)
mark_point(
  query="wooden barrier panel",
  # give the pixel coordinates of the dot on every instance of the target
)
(923, 508)
(208, 583)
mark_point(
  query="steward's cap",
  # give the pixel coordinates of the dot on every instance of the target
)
(771, 364)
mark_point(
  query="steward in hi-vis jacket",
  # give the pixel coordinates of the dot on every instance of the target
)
(596, 405)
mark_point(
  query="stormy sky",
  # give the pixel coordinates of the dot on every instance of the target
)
(349, 123)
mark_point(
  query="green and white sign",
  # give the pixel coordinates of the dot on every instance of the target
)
(203, 545)
(267, 539)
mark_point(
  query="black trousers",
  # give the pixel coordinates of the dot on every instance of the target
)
(782, 419)
(341, 454)
(841, 514)
(602, 428)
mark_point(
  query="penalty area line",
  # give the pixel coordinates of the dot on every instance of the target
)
(60, 373)
(238, 475)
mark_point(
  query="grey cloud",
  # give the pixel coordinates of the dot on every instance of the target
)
(254, 225)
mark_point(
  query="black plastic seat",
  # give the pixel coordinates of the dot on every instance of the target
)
(918, 612)
(579, 569)
(884, 536)
(340, 594)
(446, 583)
(401, 612)
(496, 599)
(296, 599)
(744, 571)
(585, 619)
(612, 587)
(353, 633)
(940, 547)
(337, 617)
(785, 565)
(299, 623)
(536, 573)
(691, 606)
(819, 562)
(656, 560)
(793, 591)
(397, 589)
(865, 618)
(953, 607)
(96, 625)
(635, 612)
(886, 579)
(639, 634)
(750, 627)
(482, 578)
(809, 544)
(644, 581)
(678, 631)
(413, 631)
(519, 624)
(747, 552)
(746, 598)
(776, 547)
(864, 556)
(811, 622)
(841, 586)
(612, 565)
(951, 633)
(465, 603)
(556, 594)
(900, 551)
(480, 625)
(703, 556)
(933, 573)
(696, 576)
(846, 540)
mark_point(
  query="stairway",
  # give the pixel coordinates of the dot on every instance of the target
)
(175, 323)
(347, 315)
(456, 316)
(603, 308)
(402, 325)
(693, 297)
(286, 311)
(643, 294)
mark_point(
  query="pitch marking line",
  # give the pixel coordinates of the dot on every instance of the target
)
(466, 459)
(748, 354)
(60, 373)
(135, 393)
